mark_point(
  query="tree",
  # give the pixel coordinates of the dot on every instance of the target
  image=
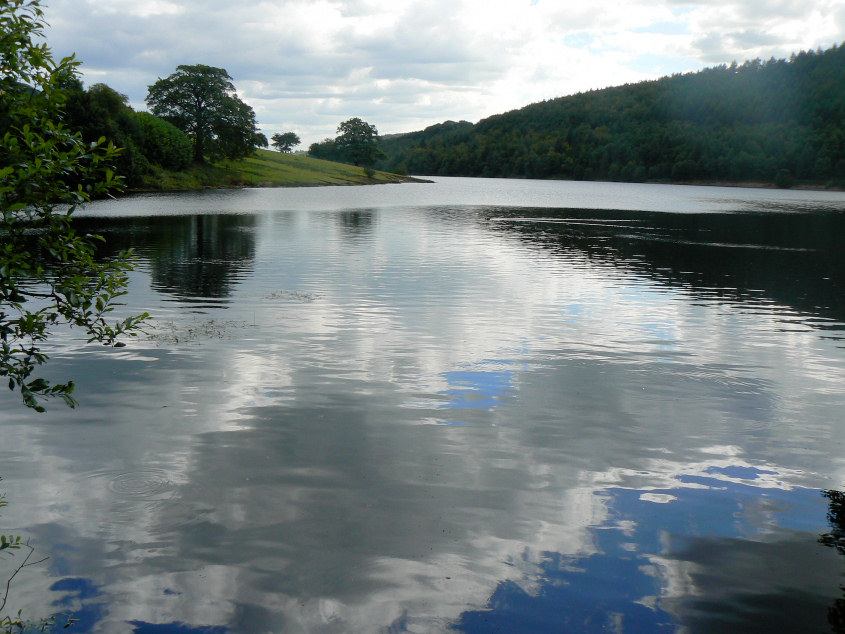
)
(358, 142)
(285, 142)
(48, 273)
(234, 131)
(201, 101)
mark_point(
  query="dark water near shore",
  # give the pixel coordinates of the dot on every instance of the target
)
(477, 405)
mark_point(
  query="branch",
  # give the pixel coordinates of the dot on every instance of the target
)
(23, 565)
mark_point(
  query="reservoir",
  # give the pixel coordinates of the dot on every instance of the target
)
(475, 405)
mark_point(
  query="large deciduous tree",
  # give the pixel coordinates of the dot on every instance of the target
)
(49, 275)
(358, 142)
(201, 101)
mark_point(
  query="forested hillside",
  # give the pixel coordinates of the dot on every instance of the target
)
(779, 121)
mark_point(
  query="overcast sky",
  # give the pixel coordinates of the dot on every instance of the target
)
(306, 65)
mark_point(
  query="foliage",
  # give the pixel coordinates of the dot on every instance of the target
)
(101, 112)
(163, 143)
(779, 121)
(201, 101)
(48, 272)
(358, 142)
(325, 150)
(145, 140)
(285, 142)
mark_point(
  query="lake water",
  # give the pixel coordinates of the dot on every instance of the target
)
(473, 406)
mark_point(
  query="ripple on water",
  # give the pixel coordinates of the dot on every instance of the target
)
(132, 494)
(129, 492)
(148, 484)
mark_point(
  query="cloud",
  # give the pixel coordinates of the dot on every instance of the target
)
(306, 65)
(741, 30)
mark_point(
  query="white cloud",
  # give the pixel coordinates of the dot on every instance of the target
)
(142, 9)
(307, 65)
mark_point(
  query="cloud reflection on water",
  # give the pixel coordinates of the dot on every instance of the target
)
(302, 488)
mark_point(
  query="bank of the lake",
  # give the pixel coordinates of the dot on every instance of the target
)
(275, 169)
(266, 169)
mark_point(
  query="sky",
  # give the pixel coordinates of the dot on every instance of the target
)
(307, 65)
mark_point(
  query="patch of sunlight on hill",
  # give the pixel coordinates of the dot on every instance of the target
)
(268, 169)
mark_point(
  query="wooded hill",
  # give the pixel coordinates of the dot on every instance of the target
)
(779, 121)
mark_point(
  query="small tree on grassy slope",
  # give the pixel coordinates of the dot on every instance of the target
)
(285, 142)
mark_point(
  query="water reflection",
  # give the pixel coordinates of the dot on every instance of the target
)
(358, 223)
(195, 258)
(835, 538)
(426, 418)
(792, 259)
(670, 558)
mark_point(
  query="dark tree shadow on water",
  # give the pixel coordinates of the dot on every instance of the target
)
(835, 538)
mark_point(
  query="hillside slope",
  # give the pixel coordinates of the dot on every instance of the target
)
(779, 121)
(265, 169)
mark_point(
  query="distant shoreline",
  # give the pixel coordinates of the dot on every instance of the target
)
(278, 170)
(748, 184)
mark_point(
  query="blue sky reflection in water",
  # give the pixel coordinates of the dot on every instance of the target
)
(364, 409)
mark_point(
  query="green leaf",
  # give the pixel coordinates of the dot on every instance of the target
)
(45, 164)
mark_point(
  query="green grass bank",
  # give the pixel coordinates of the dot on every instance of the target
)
(267, 169)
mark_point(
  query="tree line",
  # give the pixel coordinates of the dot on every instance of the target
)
(779, 121)
(195, 116)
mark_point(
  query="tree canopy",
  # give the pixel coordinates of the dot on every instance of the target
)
(49, 275)
(325, 150)
(358, 142)
(285, 142)
(201, 101)
(145, 140)
(163, 143)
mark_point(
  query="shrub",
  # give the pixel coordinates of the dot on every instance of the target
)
(163, 143)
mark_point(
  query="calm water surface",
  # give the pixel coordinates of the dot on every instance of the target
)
(474, 406)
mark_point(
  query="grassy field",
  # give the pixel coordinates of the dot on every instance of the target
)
(267, 169)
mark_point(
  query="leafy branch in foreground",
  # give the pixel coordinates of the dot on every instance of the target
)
(48, 272)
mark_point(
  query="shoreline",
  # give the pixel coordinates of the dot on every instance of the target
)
(747, 184)
(400, 180)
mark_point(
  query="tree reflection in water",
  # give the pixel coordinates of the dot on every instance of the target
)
(835, 539)
(197, 257)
